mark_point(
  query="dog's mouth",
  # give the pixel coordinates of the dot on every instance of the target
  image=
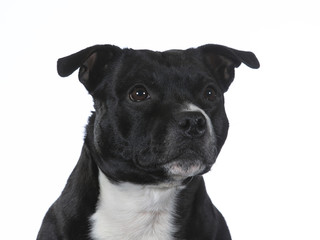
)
(176, 160)
(182, 165)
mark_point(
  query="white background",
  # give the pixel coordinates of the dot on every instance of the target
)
(266, 180)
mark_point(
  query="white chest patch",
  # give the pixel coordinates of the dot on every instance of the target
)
(129, 211)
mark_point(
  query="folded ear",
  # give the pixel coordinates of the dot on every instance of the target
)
(92, 61)
(222, 61)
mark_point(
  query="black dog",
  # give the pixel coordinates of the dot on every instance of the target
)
(159, 124)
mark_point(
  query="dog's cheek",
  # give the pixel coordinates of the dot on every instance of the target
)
(100, 130)
(103, 131)
(124, 125)
(148, 137)
(221, 126)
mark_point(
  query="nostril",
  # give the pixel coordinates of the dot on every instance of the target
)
(200, 126)
(201, 122)
(184, 123)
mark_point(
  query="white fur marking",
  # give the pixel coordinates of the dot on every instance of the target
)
(193, 108)
(179, 173)
(127, 211)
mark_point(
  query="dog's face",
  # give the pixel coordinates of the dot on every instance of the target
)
(159, 116)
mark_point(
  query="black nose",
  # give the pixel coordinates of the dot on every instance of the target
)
(192, 124)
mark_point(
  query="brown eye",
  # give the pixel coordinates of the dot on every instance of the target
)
(210, 94)
(138, 94)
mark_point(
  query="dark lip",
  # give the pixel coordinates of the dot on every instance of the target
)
(190, 152)
(186, 156)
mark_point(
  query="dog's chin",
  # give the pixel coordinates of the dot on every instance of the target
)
(181, 169)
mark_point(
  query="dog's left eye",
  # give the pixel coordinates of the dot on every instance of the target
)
(210, 94)
(138, 94)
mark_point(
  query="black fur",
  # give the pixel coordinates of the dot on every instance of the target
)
(133, 141)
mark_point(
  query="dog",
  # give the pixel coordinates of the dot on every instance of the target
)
(159, 124)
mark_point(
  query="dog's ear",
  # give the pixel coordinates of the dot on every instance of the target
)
(92, 61)
(222, 61)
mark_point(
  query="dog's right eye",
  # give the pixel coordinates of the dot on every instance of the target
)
(138, 94)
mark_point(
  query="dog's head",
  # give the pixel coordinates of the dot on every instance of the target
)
(159, 116)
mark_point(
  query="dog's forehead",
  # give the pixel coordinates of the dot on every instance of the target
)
(171, 66)
(170, 58)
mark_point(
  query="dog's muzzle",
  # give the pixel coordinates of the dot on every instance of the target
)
(192, 144)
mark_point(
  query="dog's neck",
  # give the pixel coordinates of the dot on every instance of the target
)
(131, 211)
